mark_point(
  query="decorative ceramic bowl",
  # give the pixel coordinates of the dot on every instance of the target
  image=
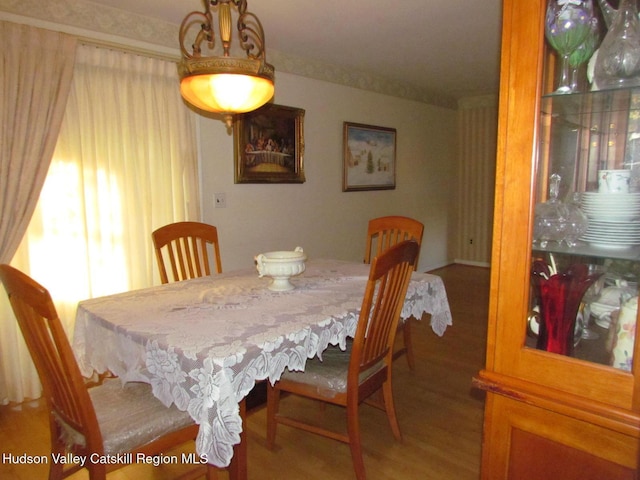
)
(281, 266)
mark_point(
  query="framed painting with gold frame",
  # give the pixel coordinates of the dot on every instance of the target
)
(269, 145)
(369, 159)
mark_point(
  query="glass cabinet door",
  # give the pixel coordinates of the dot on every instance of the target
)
(585, 260)
(566, 245)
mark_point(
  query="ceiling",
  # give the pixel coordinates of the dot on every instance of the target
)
(448, 47)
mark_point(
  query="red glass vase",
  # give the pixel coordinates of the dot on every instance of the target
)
(560, 295)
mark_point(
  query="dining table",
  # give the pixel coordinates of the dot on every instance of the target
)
(202, 344)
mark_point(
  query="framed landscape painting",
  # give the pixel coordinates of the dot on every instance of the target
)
(269, 145)
(369, 158)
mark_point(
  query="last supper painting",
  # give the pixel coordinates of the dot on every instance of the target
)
(269, 145)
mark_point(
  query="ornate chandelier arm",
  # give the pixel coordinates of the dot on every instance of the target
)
(205, 19)
(251, 35)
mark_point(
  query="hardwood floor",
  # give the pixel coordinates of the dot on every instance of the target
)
(439, 414)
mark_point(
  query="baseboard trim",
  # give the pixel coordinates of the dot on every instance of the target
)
(472, 263)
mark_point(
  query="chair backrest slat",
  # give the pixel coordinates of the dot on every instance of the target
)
(384, 297)
(185, 245)
(384, 232)
(201, 257)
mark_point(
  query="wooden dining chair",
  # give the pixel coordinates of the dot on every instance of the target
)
(347, 378)
(184, 244)
(382, 233)
(108, 419)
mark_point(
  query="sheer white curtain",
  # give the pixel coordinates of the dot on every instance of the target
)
(125, 163)
(34, 89)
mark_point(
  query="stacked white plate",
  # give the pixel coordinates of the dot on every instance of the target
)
(614, 219)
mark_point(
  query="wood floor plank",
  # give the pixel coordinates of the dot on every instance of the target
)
(440, 415)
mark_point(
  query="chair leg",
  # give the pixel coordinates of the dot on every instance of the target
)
(390, 408)
(353, 428)
(408, 343)
(273, 403)
(212, 473)
(56, 469)
(97, 471)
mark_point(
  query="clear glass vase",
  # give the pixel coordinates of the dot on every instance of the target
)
(618, 62)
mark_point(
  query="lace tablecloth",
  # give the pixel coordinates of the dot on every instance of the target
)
(203, 343)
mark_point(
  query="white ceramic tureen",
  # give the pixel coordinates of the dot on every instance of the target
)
(281, 266)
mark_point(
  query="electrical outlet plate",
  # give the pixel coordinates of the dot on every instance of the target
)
(220, 200)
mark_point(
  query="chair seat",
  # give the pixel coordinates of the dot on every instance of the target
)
(130, 416)
(329, 375)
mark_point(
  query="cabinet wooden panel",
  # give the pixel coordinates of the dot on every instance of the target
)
(535, 457)
(540, 444)
(543, 407)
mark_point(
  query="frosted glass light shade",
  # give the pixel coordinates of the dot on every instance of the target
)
(226, 93)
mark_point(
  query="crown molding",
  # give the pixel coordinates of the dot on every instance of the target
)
(93, 21)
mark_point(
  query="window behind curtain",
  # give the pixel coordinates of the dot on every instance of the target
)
(125, 163)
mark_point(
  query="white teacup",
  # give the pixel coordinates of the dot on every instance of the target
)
(614, 181)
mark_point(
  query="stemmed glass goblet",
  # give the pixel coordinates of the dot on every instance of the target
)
(583, 53)
(567, 24)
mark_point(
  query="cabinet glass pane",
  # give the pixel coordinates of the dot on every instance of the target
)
(586, 245)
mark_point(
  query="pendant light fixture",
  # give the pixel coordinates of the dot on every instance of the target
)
(225, 84)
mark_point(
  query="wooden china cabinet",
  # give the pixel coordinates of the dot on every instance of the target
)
(573, 414)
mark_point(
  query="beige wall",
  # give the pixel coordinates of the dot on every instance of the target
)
(450, 190)
(317, 215)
